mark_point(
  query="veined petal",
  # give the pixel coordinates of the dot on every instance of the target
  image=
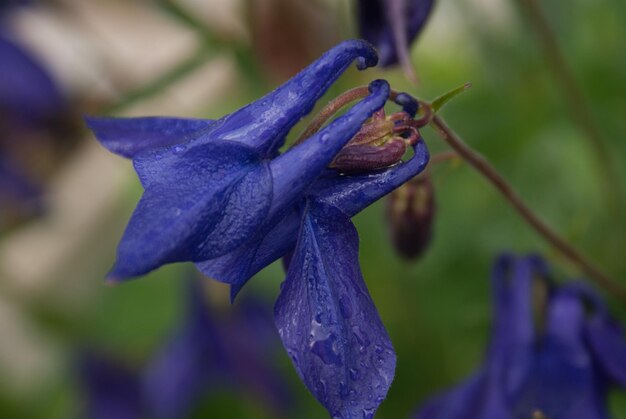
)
(271, 242)
(263, 124)
(128, 137)
(199, 203)
(295, 170)
(327, 320)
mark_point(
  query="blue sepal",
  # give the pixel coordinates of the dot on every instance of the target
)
(328, 322)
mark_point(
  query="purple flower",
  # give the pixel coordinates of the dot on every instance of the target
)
(392, 25)
(110, 389)
(218, 193)
(30, 102)
(563, 370)
(210, 185)
(204, 355)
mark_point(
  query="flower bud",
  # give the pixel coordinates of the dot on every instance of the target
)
(410, 214)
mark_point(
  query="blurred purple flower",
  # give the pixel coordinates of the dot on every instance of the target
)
(208, 354)
(111, 389)
(392, 25)
(205, 355)
(563, 371)
(30, 102)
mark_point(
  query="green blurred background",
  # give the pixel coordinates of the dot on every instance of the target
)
(208, 58)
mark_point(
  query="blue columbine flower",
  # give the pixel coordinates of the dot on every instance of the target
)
(563, 371)
(209, 185)
(392, 25)
(203, 356)
(218, 193)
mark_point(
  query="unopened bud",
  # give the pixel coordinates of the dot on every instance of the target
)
(410, 213)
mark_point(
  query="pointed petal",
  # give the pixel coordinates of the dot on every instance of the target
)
(352, 194)
(264, 123)
(128, 137)
(295, 170)
(608, 345)
(199, 204)
(327, 320)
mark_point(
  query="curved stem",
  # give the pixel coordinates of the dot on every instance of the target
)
(478, 162)
(332, 108)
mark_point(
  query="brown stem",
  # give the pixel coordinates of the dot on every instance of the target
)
(578, 106)
(332, 108)
(487, 170)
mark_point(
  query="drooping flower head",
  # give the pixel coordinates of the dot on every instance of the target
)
(219, 194)
(392, 26)
(562, 370)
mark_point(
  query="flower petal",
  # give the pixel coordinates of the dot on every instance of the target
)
(562, 382)
(26, 89)
(201, 203)
(606, 339)
(270, 243)
(130, 136)
(351, 194)
(263, 124)
(328, 322)
(313, 155)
